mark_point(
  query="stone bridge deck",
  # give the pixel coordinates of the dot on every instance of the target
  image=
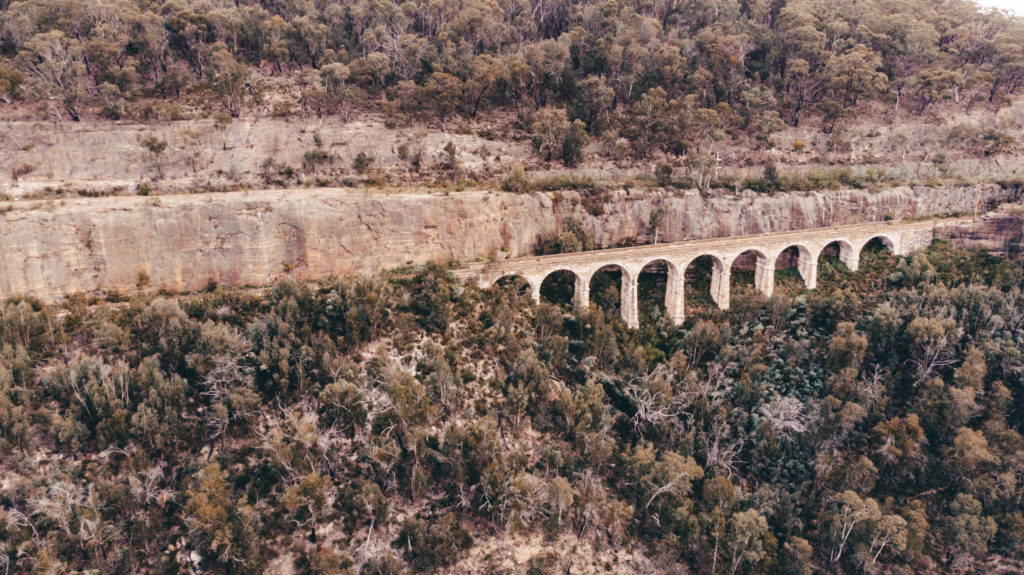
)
(902, 237)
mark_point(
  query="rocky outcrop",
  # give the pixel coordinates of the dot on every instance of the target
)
(251, 238)
(997, 232)
(103, 157)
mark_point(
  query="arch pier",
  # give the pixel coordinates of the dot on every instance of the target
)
(900, 237)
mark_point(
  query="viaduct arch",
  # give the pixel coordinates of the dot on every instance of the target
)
(900, 237)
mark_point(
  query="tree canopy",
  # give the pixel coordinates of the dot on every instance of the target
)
(392, 424)
(657, 72)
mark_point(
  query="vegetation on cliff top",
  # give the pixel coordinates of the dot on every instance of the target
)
(665, 76)
(691, 94)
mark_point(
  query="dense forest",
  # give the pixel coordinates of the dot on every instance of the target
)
(662, 74)
(407, 423)
(396, 423)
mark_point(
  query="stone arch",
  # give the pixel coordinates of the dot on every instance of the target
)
(885, 240)
(841, 249)
(718, 262)
(718, 286)
(673, 292)
(600, 280)
(552, 285)
(627, 291)
(613, 266)
(510, 279)
(803, 259)
(756, 262)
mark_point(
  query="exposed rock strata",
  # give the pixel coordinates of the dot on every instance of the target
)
(997, 232)
(104, 156)
(252, 238)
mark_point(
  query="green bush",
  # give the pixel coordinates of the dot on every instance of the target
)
(314, 158)
(362, 162)
(516, 181)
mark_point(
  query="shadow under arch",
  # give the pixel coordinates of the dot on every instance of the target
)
(659, 290)
(837, 251)
(702, 276)
(560, 286)
(607, 286)
(750, 269)
(876, 247)
(513, 284)
(835, 258)
(795, 264)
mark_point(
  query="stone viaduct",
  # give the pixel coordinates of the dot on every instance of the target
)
(902, 237)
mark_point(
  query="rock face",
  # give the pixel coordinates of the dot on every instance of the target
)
(105, 156)
(996, 232)
(252, 238)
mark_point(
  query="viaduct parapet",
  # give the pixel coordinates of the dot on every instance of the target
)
(902, 237)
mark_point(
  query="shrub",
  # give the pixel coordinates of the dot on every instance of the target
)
(313, 158)
(432, 544)
(10, 83)
(565, 182)
(663, 174)
(22, 170)
(153, 144)
(362, 162)
(576, 139)
(771, 174)
(998, 142)
(594, 203)
(449, 160)
(516, 181)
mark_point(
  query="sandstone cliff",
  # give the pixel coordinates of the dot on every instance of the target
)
(998, 232)
(251, 238)
(109, 157)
